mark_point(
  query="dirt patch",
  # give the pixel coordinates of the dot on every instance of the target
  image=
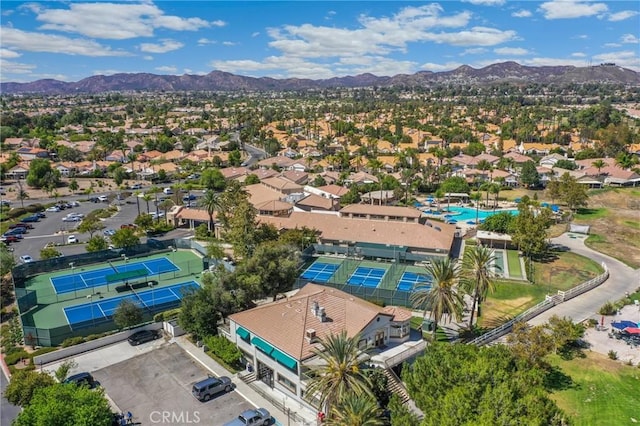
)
(496, 310)
(618, 233)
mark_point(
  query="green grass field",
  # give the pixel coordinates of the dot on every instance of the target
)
(591, 214)
(513, 261)
(602, 392)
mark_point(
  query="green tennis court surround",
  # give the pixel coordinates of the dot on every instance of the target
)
(128, 275)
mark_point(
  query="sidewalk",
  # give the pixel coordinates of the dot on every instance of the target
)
(248, 392)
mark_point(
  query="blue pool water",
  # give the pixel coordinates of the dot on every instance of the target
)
(463, 214)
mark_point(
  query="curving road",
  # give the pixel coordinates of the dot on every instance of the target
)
(622, 279)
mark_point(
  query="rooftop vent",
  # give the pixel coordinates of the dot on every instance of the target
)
(310, 335)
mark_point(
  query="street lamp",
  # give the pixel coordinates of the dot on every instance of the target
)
(90, 297)
(73, 279)
(153, 301)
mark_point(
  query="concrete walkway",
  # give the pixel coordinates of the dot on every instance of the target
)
(622, 279)
(248, 392)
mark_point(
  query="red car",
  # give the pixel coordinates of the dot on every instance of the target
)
(10, 239)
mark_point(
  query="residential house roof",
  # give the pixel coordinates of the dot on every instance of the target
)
(297, 177)
(374, 210)
(335, 190)
(293, 314)
(317, 202)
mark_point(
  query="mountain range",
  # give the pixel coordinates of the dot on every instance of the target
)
(222, 81)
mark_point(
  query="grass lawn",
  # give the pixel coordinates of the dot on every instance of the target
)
(603, 392)
(566, 271)
(510, 299)
(591, 214)
(513, 261)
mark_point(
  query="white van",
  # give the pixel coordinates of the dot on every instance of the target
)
(167, 191)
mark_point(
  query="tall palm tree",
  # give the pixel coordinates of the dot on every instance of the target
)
(211, 202)
(441, 298)
(147, 198)
(599, 164)
(165, 205)
(476, 197)
(356, 410)
(478, 276)
(339, 373)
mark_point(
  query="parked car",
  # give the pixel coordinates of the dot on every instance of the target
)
(6, 203)
(25, 258)
(24, 225)
(53, 209)
(142, 336)
(41, 215)
(71, 218)
(103, 199)
(74, 204)
(128, 225)
(259, 416)
(157, 215)
(32, 218)
(211, 386)
(17, 230)
(136, 186)
(10, 235)
(167, 191)
(189, 197)
(71, 239)
(10, 239)
(82, 379)
(108, 232)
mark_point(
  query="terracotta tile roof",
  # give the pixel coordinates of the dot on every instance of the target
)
(395, 211)
(517, 157)
(336, 190)
(273, 206)
(258, 194)
(193, 214)
(264, 173)
(336, 228)
(345, 312)
(234, 172)
(283, 185)
(299, 178)
(313, 200)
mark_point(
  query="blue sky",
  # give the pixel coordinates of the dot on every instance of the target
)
(72, 40)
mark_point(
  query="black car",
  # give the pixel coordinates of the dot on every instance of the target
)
(32, 218)
(41, 215)
(82, 379)
(142, 337)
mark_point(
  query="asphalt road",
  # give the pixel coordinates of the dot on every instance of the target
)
(8, 412)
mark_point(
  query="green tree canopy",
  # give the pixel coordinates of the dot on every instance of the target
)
(213, 179)
(529, 175)
(66, 404)
(91, 225)
(454, 184)
(125, 238)
(466, 385)
(24, 384)
(127, 314)
(199, 314)
(529, 231)
(42, 175)
(49, 253)
(276, 266)
(97, 243)
(501, 222)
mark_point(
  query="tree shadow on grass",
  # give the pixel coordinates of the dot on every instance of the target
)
(556, 380)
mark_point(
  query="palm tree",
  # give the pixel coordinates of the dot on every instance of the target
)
(355, 410)
(339, 373)
(476, 197)
(441, 298)
(22, 194)
(599, 164)
(166, 205)
(137, 195)
(211, 202)
(147, 198)
(477, 276)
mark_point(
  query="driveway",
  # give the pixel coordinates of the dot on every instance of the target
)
(156, 387)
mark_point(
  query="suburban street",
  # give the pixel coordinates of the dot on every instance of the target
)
(8, 412)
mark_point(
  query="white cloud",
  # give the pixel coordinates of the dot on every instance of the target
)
(476, 36)
(578, 55)
(522, 14)
(11, 67)
(581, 37)
(474, 51)
(511, 51)
(629, 39)
(9, 54)
(255, 34)
(568, 9)
(111, 72)
(167, 69)
(621, 16)
(429, 66)
(486, 2)
(148, 58)
(218, 23)
(626, 58)
(612, 45)
(164, 47)
(116, 21)
(204, 41)
(39, 42)
(229, 43)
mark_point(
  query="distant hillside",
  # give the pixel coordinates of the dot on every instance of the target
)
(223, 81)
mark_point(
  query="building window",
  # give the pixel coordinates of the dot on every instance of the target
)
(286, 383)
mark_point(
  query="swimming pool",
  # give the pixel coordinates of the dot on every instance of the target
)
(463, 214)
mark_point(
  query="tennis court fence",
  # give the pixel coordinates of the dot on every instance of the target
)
(377, 295)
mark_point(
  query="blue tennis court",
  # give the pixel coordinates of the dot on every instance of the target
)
(368, 277)
(320, 272)
(101, 311)
(409, 280)
(98, 277)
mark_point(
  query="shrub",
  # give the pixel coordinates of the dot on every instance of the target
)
(71, 341)
(42, 351)
(224, 349)
(607, 309)
(166, 315)
(612, 355)
(14, 357)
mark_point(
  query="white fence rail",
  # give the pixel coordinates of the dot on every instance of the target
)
(548, 303)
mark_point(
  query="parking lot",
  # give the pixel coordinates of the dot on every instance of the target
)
(52, 228)
(153, 381)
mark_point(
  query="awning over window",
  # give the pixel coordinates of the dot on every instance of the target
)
(244, 334)
(262, 345)
(284, 359)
